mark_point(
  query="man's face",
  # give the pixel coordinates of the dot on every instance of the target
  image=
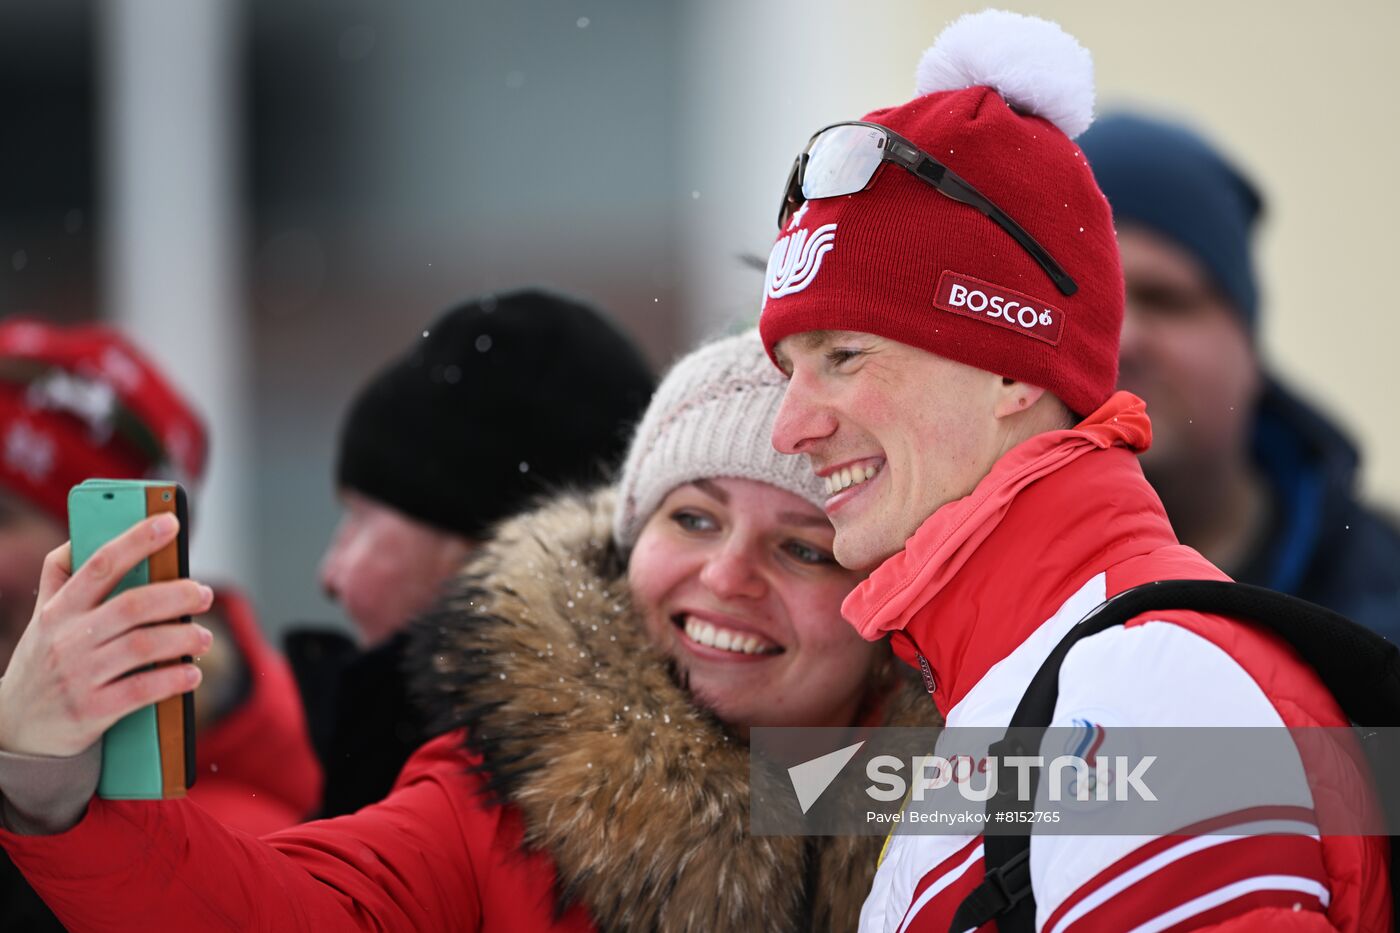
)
(1185, 352)
(897, 432)
(384, 568)
(26, 537)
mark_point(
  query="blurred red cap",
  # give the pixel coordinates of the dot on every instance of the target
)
(80, 402)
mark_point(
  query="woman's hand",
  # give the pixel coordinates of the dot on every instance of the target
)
(65, 684)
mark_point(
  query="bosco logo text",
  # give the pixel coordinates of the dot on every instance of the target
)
(1004, 307)
(996, 306)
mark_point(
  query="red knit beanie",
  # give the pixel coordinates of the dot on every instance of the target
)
(81, 402)
(1001, 96)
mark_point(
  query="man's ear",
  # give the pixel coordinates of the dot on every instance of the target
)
(1015, 397)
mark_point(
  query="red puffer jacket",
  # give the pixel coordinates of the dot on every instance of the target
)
(257, 771)
(986, 588)
(594, 781)
(431, 857)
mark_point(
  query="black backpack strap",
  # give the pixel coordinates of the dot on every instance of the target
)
(1361, 669)
(1004, 894)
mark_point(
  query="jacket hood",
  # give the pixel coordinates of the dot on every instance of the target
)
(939, 548)
(980, 575)
(639, 796)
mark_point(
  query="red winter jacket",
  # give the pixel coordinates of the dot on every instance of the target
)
(538, 654)
(257, 770)
(431, 857)
(985, 589)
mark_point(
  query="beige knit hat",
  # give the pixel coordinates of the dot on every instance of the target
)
(712, 416)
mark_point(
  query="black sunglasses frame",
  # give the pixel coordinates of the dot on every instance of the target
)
(895, 148)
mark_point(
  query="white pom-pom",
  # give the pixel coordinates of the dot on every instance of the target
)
(1034, 64)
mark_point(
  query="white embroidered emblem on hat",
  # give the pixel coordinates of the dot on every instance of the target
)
(29, 451)
(796, 259)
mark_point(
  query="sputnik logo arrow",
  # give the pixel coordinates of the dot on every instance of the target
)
(811, 778)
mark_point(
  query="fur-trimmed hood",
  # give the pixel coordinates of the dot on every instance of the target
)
(640, 797)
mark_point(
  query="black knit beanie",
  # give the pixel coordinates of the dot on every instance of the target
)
(503, 398)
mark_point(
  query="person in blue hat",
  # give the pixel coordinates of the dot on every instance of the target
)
(1254, 477)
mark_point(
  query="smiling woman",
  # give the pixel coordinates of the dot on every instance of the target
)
(736, 581)
(595, 670)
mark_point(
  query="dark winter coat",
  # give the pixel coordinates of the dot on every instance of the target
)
(364, 725)
(582, 791)
(1324, 545)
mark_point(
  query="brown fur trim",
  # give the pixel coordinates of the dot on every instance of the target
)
(640, 797)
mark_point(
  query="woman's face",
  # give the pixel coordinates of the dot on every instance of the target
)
(736, 581)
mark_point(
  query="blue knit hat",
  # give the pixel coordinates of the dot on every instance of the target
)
(1167, 178)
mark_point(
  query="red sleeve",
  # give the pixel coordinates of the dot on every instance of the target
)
(1275, 920)
(149, 867)
(1194, 882)
(257, 769)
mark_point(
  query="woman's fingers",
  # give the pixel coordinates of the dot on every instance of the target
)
(56, 571)
(143, 605)
(140, 647)
(80, 692)
(129, 694)
(102, 571)
(65, 683)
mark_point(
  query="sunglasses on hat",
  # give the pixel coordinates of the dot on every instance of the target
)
(844, 158)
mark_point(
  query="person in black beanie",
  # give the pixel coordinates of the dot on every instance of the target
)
(1252, 475)
(502, 399)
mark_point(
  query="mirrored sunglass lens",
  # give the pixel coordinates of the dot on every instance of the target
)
(841, 160)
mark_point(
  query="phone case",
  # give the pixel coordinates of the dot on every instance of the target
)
(148, 754)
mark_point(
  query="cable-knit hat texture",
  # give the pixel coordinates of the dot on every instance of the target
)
(711, 417)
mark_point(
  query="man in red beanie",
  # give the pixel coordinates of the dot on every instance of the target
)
(950, 327)
(80, 402)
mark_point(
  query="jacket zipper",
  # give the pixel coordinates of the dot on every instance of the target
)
(924, 668)
(927, 671)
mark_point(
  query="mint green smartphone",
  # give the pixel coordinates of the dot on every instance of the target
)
(148, 754)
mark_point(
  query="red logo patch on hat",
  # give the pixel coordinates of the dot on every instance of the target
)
(974, 298)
